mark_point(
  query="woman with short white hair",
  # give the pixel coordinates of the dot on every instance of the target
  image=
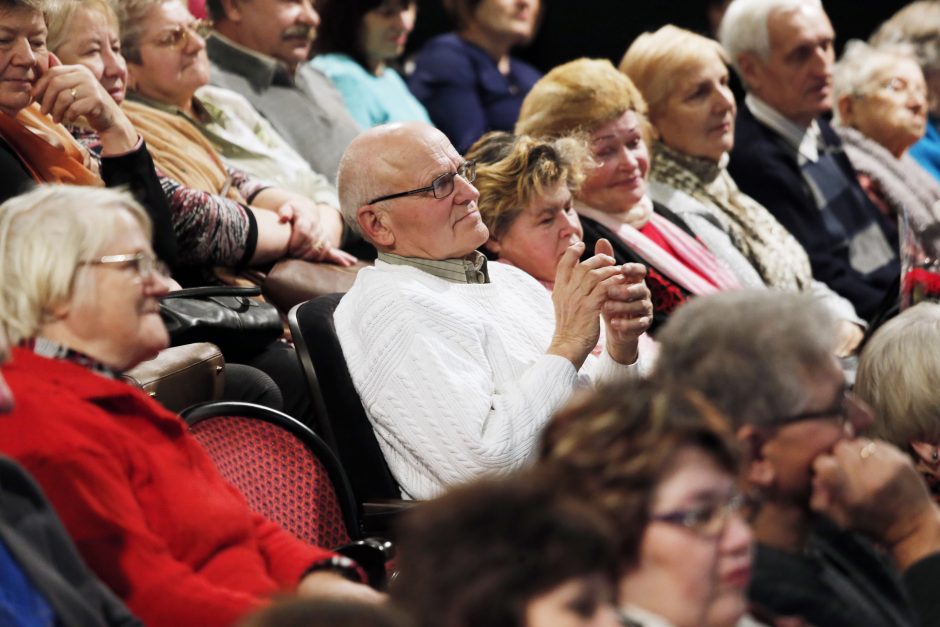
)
(880, 112)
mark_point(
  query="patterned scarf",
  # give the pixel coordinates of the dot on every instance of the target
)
(772, 250)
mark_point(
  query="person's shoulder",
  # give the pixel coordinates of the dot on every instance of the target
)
(335, 65)
(443, 52)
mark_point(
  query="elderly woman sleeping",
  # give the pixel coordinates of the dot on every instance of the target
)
(144, 503)
(684, 79)
(881, 111)
(37, 92)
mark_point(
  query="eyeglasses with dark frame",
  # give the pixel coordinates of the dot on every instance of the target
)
(708, 519)
(144, 265)
(178, 37)
(441, 187)
(838, 413)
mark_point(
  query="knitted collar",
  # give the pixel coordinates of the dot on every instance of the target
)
(705, 169)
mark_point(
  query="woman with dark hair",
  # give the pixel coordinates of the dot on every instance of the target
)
(514, 552)
(661, 464)
(356, 45)
(467, 79)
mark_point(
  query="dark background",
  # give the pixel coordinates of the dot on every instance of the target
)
(604, 28)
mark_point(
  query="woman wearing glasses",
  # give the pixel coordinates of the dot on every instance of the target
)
(36, 148)
(661, 465)
(143, 502)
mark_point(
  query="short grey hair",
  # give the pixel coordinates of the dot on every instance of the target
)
(860, 63)
(355, 185)
(45, 234)
(899, 376)
(131, 15)
(917, 24)
(749, 352)
(744, 26)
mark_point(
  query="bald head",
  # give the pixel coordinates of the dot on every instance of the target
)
(398, 158)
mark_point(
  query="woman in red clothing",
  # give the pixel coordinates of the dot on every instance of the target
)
(144, 503)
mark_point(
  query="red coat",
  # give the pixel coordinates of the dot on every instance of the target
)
(144, 503)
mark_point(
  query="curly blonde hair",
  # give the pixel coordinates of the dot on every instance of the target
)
(514, 170)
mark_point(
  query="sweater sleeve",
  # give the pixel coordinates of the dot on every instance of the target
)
(97, 504)
(136, 171)
(447, 404)
(287, 557)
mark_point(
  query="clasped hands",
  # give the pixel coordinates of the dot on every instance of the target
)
(587, 290)
(308, 239)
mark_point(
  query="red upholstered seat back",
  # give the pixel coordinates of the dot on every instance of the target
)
(279, 476)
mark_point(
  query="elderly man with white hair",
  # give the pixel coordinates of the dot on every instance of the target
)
(790, 160)
(459, 364)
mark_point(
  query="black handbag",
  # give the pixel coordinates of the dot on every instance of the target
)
(225, 316)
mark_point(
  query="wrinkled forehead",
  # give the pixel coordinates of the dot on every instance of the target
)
(417, 158)
(792, 27)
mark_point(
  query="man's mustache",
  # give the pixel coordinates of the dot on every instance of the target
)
(299, 31)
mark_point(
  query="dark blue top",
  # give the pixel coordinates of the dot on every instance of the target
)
(464, 92)
(21, 604)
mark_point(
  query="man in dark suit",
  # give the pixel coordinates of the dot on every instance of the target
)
(787, 156)
(43, 581)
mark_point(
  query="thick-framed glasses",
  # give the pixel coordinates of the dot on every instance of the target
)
(708, 519)
(178, 37)
(441, 187)
(144, 265)
(840, 413)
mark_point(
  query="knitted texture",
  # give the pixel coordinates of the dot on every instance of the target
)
(279, 477)
(454, 377)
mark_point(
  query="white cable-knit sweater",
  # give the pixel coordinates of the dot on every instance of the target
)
(454, 377)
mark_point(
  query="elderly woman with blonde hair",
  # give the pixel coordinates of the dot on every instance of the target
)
(880, 112)
(899, 376)
(592, 97)
(684, 79)
(144, 503)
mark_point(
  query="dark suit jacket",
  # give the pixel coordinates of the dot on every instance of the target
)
(767, 171)
(37, 540)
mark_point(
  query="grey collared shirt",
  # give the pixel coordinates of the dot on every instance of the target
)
(469, 269)
(303, 107)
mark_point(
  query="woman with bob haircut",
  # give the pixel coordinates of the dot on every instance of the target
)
(590, 96)
(684, 79)
(661, 465)
(356, 45)
(144, 503)
(510, 552)
(899, 376)
(880, 108)
(467, 79)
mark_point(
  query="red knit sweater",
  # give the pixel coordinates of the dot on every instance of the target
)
(144, 503)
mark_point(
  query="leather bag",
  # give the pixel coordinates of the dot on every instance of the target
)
(223, 315)
(181, 376)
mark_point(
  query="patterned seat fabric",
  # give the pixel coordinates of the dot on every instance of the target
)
(279, 476)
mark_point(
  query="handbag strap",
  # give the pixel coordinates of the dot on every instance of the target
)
(214, 290)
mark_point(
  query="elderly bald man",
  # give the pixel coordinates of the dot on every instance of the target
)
(459, 364)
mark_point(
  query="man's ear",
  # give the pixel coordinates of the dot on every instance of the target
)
(492, 245)
(231, 10)
(374, 226)
(927, 452)
(749, 66)
(758, 470)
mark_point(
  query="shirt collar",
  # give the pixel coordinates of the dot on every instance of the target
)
(45, 347)
(804, 139)
(259, 69)
(469, 269)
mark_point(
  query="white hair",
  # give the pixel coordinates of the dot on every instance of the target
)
(855, 72)
(744, 26)
(45, 234)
